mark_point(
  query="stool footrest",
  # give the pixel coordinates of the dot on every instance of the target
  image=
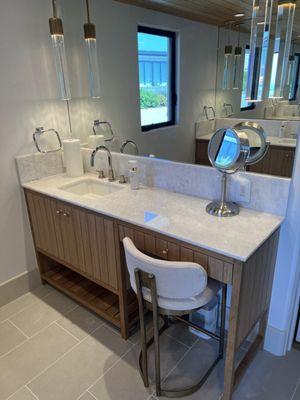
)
(179, 392)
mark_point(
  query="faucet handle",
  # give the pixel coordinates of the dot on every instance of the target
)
(101, 174)
(122, 179)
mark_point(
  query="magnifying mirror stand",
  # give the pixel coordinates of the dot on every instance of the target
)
(223, 208)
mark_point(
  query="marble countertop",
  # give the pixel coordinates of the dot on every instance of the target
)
(274, 140)
(178, 216)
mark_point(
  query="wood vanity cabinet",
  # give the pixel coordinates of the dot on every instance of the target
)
(78, 252)
(81, 240)
(201, 154)
(278, 161)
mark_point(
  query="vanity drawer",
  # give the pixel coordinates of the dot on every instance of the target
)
(173, 251)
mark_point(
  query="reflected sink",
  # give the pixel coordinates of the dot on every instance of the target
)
(288, 141)
(90, 188)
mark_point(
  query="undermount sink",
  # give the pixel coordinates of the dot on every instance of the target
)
(91, 188)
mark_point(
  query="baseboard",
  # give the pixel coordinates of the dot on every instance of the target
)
(18, 286)
(276, 341)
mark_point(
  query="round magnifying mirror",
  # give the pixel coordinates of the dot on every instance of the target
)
(257, 141)
(228, 149)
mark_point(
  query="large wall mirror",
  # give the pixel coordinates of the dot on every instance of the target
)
(161, 80)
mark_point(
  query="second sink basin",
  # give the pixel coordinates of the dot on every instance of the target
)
(91, 188)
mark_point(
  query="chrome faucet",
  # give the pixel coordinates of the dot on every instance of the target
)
(126, 142)
(111, 175)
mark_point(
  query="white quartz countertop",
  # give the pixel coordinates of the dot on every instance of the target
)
(178, 216)
(274, 140)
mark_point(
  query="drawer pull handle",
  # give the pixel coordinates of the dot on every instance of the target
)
(165, 252)
(66, 214)
(58, 212)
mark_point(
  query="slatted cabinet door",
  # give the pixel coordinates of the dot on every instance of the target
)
(44, 222)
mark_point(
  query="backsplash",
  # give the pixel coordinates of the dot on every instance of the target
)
(268, 193)
(271, 127)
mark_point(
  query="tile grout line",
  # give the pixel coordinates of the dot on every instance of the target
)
(117, 333)
(111, 367)
(62, 356)
(33, 394)
(295, 390)
(29, 305)
(19, 329)
(179, 361)
(49, 366)
(91, 394)
(66, 330)
(37, 333)
(179, 341)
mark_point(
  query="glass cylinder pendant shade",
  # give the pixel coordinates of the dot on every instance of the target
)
(226, 83)
(237, 68)
(259, 46)
(57, 37)
(282, 46)
(92, 59)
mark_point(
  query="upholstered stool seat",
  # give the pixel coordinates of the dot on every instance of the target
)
(174, 289)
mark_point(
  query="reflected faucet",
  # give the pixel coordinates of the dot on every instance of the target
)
(126, 142)
(111, 175)
(226, 106)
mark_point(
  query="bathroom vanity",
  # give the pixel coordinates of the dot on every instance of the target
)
(78, 231)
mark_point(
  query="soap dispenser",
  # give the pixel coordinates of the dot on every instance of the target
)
(282, 129)
(133, 174)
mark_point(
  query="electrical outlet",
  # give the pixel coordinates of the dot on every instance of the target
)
(242, 192)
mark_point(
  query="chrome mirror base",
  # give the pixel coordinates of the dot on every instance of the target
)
(222, 209)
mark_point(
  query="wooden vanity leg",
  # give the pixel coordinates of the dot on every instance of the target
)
(229, 373)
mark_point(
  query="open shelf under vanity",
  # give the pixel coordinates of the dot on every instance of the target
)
(102, 301)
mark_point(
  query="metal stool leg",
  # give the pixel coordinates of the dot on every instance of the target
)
(156, 335)
(144, 363)
(223, 320)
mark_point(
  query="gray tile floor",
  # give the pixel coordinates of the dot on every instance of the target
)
(53, 349)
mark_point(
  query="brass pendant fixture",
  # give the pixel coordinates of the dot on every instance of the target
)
(92, 55)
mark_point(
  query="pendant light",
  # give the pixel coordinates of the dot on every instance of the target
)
(259, 46)
(92, 56)
(226, 82)
(282, 46)
(292, 71)
(237, 65)
(57, 37)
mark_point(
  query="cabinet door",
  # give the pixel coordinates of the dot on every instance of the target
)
(42, 212)
(94, 246)
(201, 156)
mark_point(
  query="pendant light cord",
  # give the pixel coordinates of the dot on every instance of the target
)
(54, 8)
(88, 11)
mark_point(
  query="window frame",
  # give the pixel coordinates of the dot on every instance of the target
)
(173, 84)
(296, 87)
(251, 106)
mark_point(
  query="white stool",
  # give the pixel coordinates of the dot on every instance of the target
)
(174, 289)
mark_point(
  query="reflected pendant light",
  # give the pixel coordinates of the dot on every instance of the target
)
(226, 82)
(237, 65)
(57, 37)
(282, 46)
(92, 56)
(259, 46)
